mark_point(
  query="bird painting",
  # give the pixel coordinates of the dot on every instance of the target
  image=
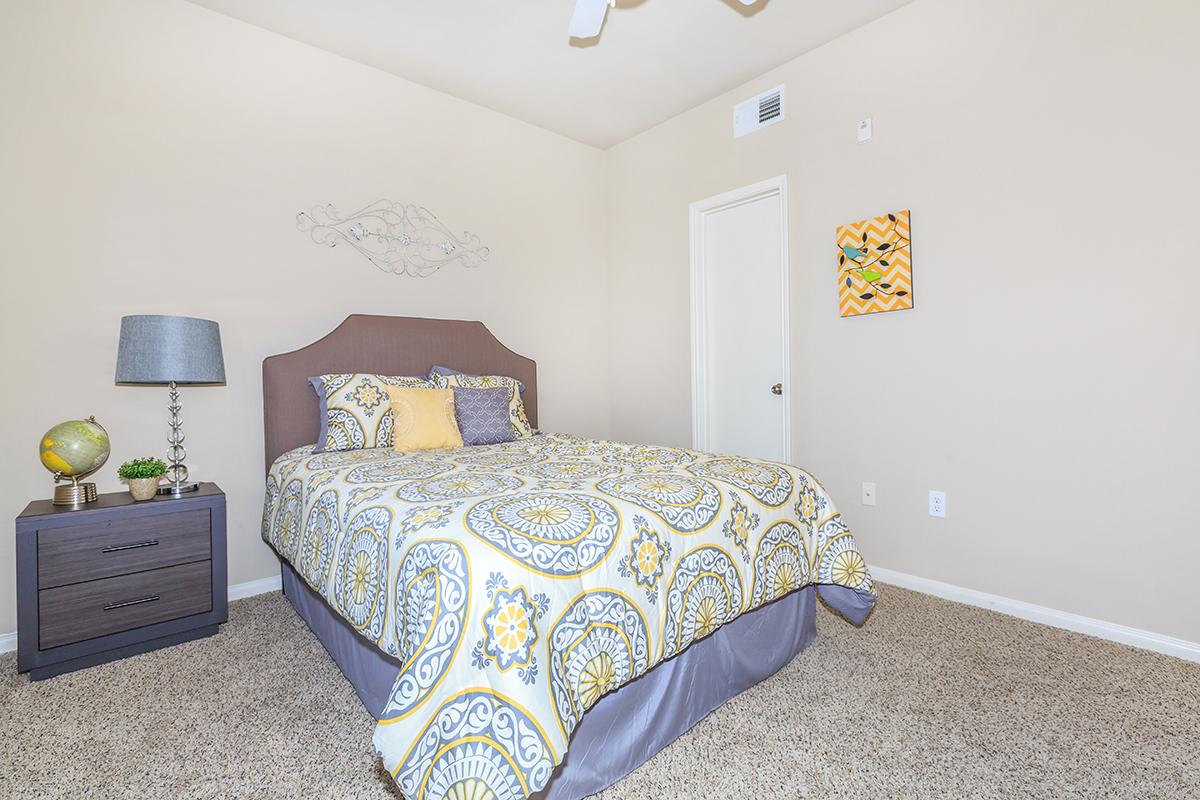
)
(875, 265)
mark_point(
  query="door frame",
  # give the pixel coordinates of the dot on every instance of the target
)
(698, 210)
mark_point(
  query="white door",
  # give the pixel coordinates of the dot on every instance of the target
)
(740, 322)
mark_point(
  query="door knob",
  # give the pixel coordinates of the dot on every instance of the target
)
(777, 389)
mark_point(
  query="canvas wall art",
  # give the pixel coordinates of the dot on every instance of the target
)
(875, 265)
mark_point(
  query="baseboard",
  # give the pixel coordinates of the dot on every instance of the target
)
(251, 588)
(8, 641)
(1147, 640)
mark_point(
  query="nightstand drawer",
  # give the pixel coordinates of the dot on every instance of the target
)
(104, 549)
(81, 611)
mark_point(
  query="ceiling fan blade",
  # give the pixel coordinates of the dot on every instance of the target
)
(588, 18)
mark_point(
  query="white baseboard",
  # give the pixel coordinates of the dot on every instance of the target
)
(8, 641)
(251, 588)
(1146, 640)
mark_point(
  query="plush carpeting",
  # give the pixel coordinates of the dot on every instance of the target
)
(929, 699)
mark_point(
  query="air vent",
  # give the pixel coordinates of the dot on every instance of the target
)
(758, 112)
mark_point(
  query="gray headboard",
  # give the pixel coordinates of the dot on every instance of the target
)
(385, 346)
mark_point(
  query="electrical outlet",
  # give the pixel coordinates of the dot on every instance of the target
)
(868, 494)
(937, 504)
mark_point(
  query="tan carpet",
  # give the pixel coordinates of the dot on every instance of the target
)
(929, 699)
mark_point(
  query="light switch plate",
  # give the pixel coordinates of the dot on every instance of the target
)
(866, 129)
(868, 494)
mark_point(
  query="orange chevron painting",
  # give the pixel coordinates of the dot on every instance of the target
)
(875, 265)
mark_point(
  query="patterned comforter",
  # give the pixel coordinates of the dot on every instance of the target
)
(518, 583)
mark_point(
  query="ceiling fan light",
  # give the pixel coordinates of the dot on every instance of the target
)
(588, 18)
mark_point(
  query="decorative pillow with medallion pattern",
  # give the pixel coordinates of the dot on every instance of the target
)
(439, 371)
(354, 410)
(516, 409)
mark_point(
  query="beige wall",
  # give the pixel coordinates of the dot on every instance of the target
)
(1048, 378)
(153, 156)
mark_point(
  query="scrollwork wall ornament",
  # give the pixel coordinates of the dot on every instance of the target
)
(403, 239)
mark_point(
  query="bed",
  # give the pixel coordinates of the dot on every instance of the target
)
(536, 618)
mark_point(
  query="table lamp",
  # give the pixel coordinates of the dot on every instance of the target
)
(164, 350)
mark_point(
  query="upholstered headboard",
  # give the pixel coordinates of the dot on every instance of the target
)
(385, 346)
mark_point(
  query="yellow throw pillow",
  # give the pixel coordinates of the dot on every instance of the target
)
(423, 419)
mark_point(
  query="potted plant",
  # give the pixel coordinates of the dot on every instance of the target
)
(142, 475)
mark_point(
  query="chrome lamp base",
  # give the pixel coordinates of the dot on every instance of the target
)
(176, 489)
(177, 472)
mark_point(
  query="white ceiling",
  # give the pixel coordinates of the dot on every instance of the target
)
(654, 59)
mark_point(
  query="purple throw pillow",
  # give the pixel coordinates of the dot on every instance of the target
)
(482, 415)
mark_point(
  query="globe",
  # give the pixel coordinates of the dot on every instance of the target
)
(75, 448)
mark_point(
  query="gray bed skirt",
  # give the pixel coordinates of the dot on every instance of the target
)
(623, 729)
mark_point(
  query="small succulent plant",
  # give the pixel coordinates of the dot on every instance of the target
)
(142, 468)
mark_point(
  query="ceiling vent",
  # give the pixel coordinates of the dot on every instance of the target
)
(758, 112)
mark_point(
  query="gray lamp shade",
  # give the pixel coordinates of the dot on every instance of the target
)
(161, 349)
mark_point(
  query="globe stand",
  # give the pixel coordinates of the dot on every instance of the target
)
(74, 493)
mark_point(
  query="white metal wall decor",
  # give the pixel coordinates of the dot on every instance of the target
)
(403, 239)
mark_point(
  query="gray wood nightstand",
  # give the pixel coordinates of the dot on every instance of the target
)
(116, 578)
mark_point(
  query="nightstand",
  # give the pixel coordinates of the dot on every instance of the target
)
(117, 577)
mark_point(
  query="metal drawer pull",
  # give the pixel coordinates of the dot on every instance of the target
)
(138, 602)
(118, 548)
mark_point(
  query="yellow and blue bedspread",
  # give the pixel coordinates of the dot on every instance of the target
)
(520, 582)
